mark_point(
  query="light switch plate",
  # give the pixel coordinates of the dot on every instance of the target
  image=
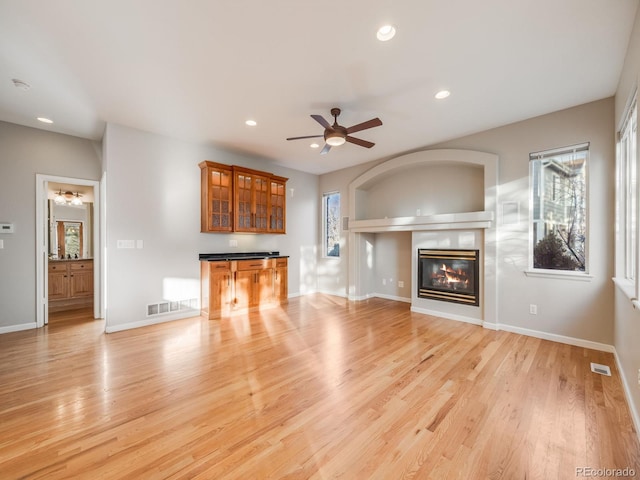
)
(126, 244)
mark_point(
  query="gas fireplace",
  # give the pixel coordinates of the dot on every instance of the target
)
(449, 275)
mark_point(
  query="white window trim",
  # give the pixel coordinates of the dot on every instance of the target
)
(629, 286)
(564, 274)
(324, 226)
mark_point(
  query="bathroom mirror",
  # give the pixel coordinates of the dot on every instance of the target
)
(70, 231)
(70, 238)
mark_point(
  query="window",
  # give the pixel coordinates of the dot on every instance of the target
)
(628, 196)
(331, 224)
(559, 208)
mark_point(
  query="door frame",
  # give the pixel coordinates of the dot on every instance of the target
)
(42, 245)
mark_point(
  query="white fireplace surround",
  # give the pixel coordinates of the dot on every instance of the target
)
(479, 225)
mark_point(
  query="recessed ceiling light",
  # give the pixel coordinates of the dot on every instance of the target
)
(386, 32)
(314, 145)
(45, 120)
(442, 94)
(251, 123)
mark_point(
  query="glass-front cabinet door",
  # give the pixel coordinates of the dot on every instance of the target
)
(277, 212)
(251, 201)
(217, 198)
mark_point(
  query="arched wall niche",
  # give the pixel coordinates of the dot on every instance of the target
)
(480, 218)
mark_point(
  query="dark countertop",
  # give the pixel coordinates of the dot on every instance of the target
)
(223, 257)
(68, 259)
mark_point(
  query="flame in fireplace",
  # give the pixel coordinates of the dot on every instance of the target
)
(451, 276)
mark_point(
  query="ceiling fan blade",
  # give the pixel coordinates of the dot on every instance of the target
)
(374, 122)
(326, 149)
(320, 119)
(308, 136)
(359, 141)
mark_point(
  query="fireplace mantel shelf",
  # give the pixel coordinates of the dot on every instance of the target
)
(443, 221)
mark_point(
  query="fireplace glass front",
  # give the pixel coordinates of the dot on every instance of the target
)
(449, 275)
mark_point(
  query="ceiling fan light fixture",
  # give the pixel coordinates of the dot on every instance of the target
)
(386, 32)
(335, 140)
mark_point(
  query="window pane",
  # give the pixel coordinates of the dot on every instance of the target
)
(559, 213)
(331, 217)
(630, 186)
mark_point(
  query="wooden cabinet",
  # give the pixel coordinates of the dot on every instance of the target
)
(242, 285)
(280, 280)
(238, 199)
(253, 283)
(277, 198)
(81, 279)
(216, 288)
(58, 281)
(70, 284)
(216, 212)
(251, 201)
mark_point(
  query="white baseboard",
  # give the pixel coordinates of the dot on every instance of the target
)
(627, 392)
(335, 294)
(578, 342)
(18, 328)
(150, 321)
(392, 297)
(448, 316)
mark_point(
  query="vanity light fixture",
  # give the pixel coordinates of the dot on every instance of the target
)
(59, 199)
(68, 198)
(386, 32)
(76, 200)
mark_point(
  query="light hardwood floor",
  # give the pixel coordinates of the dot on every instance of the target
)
(322, 388)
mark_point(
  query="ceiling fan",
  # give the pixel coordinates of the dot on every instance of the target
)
(335, 134)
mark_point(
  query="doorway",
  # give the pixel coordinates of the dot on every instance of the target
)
(68, 258)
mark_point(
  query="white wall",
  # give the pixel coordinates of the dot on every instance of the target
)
(426, 191)
(626, 319)
(567, 309)
(153, 195)
(392, 260)
(333, 272)
(25, 152)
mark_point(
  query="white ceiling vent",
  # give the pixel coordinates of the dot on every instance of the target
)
(601, 369)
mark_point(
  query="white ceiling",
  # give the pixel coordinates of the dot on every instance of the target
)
(197, 69)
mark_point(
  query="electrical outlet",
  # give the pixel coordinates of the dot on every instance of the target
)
(533, 309)
(233, 243)
(401, 283)
(384, 281)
